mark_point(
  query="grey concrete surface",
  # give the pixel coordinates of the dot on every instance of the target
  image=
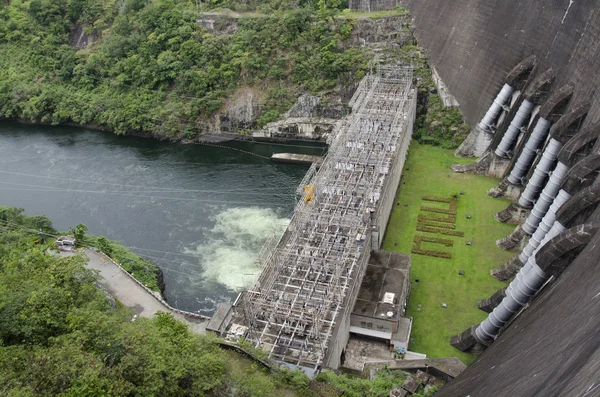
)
(361, 351)
(475, 43)
(124, 289)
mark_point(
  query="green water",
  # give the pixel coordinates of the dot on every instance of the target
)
(200, 213)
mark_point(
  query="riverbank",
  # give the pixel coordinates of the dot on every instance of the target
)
(130, 292)
(213, 138)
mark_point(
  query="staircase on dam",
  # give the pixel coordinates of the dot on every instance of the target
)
(298, 311)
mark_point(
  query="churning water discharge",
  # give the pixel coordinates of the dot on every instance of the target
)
(200, 213)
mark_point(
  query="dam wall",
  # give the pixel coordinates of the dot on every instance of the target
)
(551, 349)
(474, 44)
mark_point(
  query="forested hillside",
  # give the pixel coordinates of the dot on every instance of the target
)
(148, 66)
(62, 334)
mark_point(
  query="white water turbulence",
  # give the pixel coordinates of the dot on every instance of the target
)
(234, 242)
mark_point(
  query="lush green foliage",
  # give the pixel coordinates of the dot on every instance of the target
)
(61, 335)
(79, 232)
(153, 68)
(380, 385)
(441, 125)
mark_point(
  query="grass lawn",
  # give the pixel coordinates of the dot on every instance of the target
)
(427, 173)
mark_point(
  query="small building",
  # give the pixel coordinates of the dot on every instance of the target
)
(381, 303)
(66, 243)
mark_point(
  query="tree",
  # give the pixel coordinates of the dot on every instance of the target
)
(104, 245)
(79, 232)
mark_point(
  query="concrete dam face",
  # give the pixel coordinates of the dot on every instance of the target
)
(474, 44)
(526, 75)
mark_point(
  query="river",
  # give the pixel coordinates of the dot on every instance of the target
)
(200, 213)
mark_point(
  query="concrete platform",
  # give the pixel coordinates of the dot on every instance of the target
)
(295, 158)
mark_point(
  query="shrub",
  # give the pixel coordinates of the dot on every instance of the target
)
(436, 254)
(427, 229)
(437, 199)
(442, 225)
(418, 240)
(435, 218)
(448, 211)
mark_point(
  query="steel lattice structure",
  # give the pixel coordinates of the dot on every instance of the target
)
(307, 280)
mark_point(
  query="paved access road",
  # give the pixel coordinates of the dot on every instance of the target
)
(130, 293)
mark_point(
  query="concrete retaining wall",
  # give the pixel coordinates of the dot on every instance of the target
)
(388, 195)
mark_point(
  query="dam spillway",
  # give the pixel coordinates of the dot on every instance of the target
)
(298, 311)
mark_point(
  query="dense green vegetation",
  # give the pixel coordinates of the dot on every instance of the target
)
(380, 385)
(142, 269)
(61, 335)
(435, 124)
(151, 67)
(427, 173)
(441, 126)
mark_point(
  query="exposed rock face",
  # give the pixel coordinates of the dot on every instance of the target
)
(299, 128)
(393, 31)
(241, 111)
(80, 39)
(218, 24)
(306, 106)
(313, 106)
(373, 5)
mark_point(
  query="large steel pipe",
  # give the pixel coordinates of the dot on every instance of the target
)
(546, 198)
(544, 226)
(495, 108)
(517, 295)
(528, 281)
(535, 183)
(528, 153)
(514, 129)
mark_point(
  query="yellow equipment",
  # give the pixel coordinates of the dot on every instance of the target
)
(309, 191)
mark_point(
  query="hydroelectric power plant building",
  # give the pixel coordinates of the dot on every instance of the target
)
(300, 309)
